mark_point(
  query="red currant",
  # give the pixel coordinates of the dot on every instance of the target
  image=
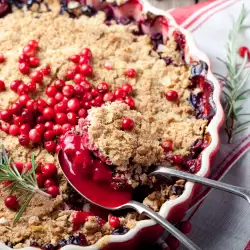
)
(31, 86)
(2, 58)
(25, 129)
(35, 135)
(46, 71)
(22, 89)
(13, 130)
(171, 95)
(119, 93)
(72, 118)
(167, 145)
(24, 140)
(86, 70)
(2, 86)
(78, 78)
(51, 91)
(48, 135)
(108, 97)
(49, 125)
(242, 51)
(5, 127)
(36, 76)
(33, 43)
(50, 146)
(75, 58)
(24, 68)
(70, 74)
(127, 88)
(127, 123)
(130, 102)
(31, 105)
(130, 73)
(86, 52)
(49, 183)
(82, 113)
(114, 221)
(59, 84)
(79, 90)
(57, 129)
(6, 115)
(40, 128)
(66, 127)
(61, 118)
(23, 99)
(177, 159)
(58, 97)
(68, 90)
(11, 202)
(16, 108)
(48, 113)
(51, 102)
(61, 107)
(49, 170)
(103, 87)
(34, 61)
(76, 68)
(73, 104)
(29, 50)
(40, 180)
(86, 85)
(53, 191)
(14, 85)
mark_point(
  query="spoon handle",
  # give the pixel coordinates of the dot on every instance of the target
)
(165, 171)
(142, 209)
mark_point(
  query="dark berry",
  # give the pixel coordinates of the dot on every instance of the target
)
(120, 231)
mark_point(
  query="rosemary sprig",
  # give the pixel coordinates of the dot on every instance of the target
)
(24, 183)
(233, 95)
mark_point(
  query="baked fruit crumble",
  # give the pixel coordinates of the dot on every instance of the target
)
(121, 87)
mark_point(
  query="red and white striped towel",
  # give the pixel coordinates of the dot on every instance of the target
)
(221, 221)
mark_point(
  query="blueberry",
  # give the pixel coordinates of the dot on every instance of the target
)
(124, 20)
(168, 60)
(77, 240)
(177, 190)
(62, 243)
(34, 244)
(157, 39)
(88, 11)
(199, 69)
(48, 247)
(196, 100)
(9, 244)
(120, 231)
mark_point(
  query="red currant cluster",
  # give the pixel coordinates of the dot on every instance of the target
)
(28, 59)
(45, 121)
(46, 176)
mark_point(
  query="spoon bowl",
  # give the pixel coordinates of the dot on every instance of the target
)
(103, 196)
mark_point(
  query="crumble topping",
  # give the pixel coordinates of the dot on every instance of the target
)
(136, 147)
(47, 220)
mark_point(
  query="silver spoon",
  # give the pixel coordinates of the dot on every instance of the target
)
(71, 177)
(240, 191)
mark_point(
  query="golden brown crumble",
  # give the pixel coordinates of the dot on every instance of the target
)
(46, 220)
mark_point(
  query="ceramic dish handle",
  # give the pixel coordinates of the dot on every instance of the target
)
(240, 191)
(142, 209)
